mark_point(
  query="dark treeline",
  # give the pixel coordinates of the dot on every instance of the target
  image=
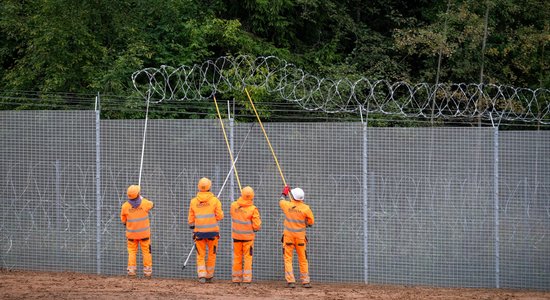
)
(89, 46)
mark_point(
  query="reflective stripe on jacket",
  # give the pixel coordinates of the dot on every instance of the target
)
(137, 219)
(205, 211)
(298, 216)
(245, 220)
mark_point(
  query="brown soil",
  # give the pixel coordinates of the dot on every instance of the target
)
(68, 285)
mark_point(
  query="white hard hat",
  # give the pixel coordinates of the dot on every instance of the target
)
(297, 194)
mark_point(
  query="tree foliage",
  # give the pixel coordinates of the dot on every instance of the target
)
(90, 46)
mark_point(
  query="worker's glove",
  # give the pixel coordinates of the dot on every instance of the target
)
(286, 190)
(308, 226)
(192, 227)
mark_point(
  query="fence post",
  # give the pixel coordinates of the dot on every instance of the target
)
(98, 182)
(365, 198)
(496, 207)
(58, 211)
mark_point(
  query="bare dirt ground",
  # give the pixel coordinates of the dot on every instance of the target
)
(68, 285)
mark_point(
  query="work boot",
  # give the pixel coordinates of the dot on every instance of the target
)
(236, 283)
(290, 285)
(209, 280)
(202, 280)
(147, 272)
(131, 271)
(246, 284)
(306, 285)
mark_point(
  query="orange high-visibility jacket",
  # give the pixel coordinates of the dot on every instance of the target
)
(205, 211)
(245, 220)
(137, 219)
(298, 216)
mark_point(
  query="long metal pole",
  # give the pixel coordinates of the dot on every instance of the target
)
(144, 136)
(236, 159)
(266, 138)
(188, 256)
(231, 143)
(227, 143)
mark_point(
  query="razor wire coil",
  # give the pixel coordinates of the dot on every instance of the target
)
(346, 95)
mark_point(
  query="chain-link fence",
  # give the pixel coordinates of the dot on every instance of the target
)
(432, 206)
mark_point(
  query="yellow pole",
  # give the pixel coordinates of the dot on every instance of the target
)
(227, 143)
(266, 138)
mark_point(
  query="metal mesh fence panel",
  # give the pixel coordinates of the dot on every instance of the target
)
(177, 154)
(430, 206)
(524, 209)
(47, 191)
(332, 186)
(444, 206)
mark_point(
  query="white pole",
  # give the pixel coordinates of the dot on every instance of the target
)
(231, 141)
(144, 136)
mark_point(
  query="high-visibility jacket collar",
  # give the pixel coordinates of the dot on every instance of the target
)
(204, 196)
(242, 202)
(135, 202)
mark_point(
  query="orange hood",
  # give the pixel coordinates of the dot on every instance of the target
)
(204, 196)
(242, 202)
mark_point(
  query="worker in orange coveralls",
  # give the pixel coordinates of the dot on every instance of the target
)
(298, 216)
(245, 221)
(205, 211)
(135, 215)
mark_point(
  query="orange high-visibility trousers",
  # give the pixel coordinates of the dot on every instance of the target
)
(242, 252)
(289, 245)
(145, 245)
(206, 265)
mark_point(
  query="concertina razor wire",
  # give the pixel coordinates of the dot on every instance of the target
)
(346, 95)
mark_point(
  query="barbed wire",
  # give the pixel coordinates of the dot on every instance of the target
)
(360, 95)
